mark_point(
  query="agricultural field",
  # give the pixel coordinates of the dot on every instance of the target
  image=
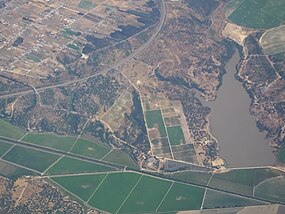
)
(115, 115)
(168, 130)
(273, 40)
(216, 199)
(191, 176)
(10, 131)
(261, 14)
(4, 147)
(121, 158)
(271, 189)
(33, 159)
(13, 172)
(68, 165)
(90, 149)
(63, 143)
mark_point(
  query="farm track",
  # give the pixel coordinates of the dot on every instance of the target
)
(109, 68)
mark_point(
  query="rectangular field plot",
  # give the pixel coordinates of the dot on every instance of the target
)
(192, 176)
(8, 130)
(13, 172)
(239, 181)
(68, 165)
(215, 199)
(82, 186)
(154, 120)
(30, 158)
(114, 190)
(176, 136)
(4, 147)
(146, 196)
(182, 197)
(63, 143)
(90, 149)
(259, 14)
(121, 158)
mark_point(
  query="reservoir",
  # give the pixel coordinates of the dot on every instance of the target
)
(240, 142)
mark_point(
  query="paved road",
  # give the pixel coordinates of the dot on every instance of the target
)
(113, 66)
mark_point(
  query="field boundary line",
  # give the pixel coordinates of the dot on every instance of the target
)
(8, 151)
(21, 138)
(167, 134)
(111, 150)
(269, 179)
(21, 166)
(97, 188)
(53, 164)
(81, 174)
(79, 136)
(206, 189)
(130, 193)
(165, 196)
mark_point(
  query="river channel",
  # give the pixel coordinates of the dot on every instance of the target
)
(240, 142)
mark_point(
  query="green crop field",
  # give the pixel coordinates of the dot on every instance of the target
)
(63, 143)
(90, 149)
(239, 181)
(190, 176)
(259, 14)
(121, 158)
(68, 165)
(82, 186)
(4, 147)
(281, 154)
(272, 189)
(86, 5)
(146, 196)
(182, 197)
(13, 172)
(216, 199)
(176, 136)
(155, 117)
(30, 158)
(8, 130)
(266, 173)
(114, 190)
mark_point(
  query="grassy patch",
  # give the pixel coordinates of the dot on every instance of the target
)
(155, 118)
(4, 147)
(121, 158)
(216, 199)
(239, 181)
(146, 196)
(73, 46)
(87, 5)
(259, 14)
(90, 149)
(82, 186)
(281, 154)
(63, 143)
(182, 197)
(13, 172)
(272, 189)
(264, 174)
(176, 136)
(68, 165)
(30, 158)
(193, 177)
(114, 191)
(8, 130)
